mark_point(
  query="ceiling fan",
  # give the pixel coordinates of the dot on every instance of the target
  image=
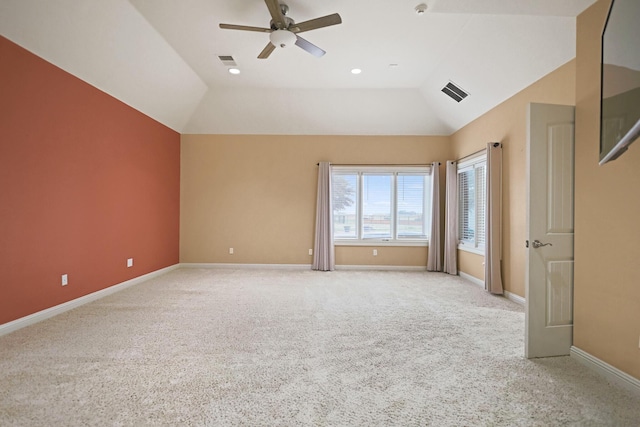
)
(283, 31)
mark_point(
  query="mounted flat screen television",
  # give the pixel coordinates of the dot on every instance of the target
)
(620, 106)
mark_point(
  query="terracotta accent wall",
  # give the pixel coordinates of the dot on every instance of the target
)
(257, 194)
(85, 183)
(607, 212)
(507, 123)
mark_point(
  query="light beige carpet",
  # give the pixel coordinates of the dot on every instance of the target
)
(268, 347)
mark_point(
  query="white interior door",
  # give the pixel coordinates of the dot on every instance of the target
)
(549, 265)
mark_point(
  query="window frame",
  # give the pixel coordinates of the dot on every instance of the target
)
(394, 171)
(473, 163)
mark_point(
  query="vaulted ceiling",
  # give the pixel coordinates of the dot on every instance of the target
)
(161, 57)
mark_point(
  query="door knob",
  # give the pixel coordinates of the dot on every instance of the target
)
(538, 244)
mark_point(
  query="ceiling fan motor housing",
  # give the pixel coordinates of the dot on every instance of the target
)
(288, 22)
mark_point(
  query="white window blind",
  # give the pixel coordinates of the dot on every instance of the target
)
(472, 203)
(412, 205)
(481, 194)
(466, 205)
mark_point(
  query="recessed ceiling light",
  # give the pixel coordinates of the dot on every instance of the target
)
(234, 70)
(356, 71)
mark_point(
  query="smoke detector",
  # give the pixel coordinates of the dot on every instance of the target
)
(421, 9)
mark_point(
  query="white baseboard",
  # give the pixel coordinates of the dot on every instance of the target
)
(39, 316)
(515, 298)
(611, 373)
(472, 279)
(508, 295)
(241, 266)
(381, 267)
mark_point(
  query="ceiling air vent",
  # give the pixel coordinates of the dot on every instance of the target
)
(227, 60)
(455, 92)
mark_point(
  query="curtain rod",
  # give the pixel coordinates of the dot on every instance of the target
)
(495, 144)
(471, 155)
(380, 165)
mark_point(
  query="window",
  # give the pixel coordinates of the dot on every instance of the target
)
(381, 205)
(472, 204)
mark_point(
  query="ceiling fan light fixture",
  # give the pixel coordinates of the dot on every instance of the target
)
(282, 38)
(283, 30)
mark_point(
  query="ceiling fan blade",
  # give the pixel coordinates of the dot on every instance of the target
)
(245, 28)
(309, 47)
(266, 51)
(312, 24)
(276, 13)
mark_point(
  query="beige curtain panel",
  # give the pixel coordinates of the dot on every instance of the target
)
(493, 219)
(434, 259)
(451, 219)
(323, 251)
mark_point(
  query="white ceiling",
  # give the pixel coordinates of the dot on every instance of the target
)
(160, 57)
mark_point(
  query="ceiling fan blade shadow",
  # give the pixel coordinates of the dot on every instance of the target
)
(276, 13)
(312, 24)
(244, 28)
(309, 47)
(266, 51)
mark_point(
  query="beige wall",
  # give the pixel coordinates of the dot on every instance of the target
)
(257, 194)
(607, 212)
(473, 264)
(507, 123)
(387, 255)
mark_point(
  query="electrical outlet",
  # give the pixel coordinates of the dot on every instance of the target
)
(230, 251)
(129, 262)
(65, 280)
(310, 251)
(375, 252)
